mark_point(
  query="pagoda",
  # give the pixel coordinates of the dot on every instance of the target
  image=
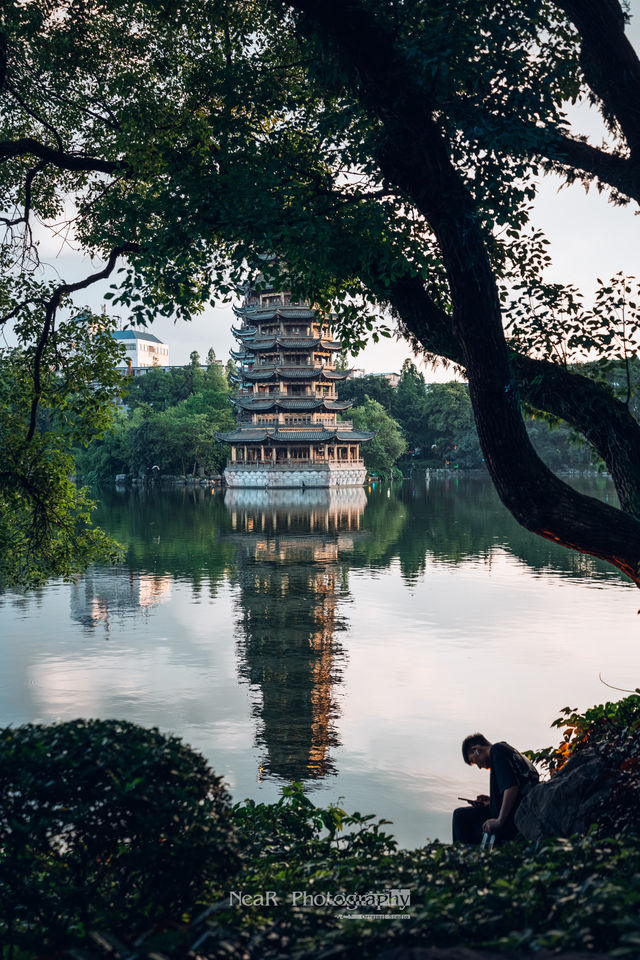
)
(288, 433)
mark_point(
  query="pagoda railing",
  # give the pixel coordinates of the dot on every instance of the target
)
(299, 462)
(301, 424)
(341, 424)
(278, 395)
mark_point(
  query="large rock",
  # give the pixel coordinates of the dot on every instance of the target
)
(565, 804)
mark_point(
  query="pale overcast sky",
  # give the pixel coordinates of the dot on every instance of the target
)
(589, 237)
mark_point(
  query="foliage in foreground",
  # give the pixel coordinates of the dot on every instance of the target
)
(563, 894)
(104, 823)
(613, 731)
(578, 893)
(582, 893)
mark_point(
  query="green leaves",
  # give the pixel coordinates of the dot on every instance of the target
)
(551, 321)
(563, 894)
(381, 452)
(174, 415)
(613, 730)
(51, 403)
(105, 824)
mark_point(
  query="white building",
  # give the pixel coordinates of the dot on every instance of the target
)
(143, 350)
(393, 378)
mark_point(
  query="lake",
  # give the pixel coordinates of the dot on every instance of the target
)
(348, 639)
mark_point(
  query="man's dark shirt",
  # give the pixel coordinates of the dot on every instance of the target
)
(508, 769)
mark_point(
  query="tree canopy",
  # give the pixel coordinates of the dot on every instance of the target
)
(169, 425)
(387, 152)
(381, 452)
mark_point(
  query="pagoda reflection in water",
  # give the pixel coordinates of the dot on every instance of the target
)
(292, 580)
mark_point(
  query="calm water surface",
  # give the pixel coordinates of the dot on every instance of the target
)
(349, 640)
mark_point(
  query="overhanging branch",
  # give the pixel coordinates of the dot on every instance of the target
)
(610, 64)
(65, 289)
(28, 146)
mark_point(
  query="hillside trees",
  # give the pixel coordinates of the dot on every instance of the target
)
(378, 388)
(158, 431)
(381, 452)
(386, 151)
(409, 401)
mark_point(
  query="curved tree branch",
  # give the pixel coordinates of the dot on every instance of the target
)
(27, 146)
(36, 116)
(589, 407)
(610, 64)
(28, 184)
(50, 313)
(568, 154)
(416, 158)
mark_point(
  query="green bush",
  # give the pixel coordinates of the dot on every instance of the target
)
(105, 824)
(560, 895)
(613, 731)
(577, 894)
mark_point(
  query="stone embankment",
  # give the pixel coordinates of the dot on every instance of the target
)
(168, 480)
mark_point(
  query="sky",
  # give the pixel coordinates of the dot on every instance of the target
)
(589, 238)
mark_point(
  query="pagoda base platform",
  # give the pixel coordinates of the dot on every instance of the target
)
(283, 476)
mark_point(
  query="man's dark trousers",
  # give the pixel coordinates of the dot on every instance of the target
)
(467, 824)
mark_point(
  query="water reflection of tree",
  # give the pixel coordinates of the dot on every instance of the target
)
(458, 519)
(178, 531)
(291, 568)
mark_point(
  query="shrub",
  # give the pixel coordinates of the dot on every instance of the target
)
(613, 731)
(104, 823)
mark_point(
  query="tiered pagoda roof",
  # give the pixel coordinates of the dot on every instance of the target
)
(287, 404)
(290, 403)
(273, 371)
(249, 434)
(286, 311)
(260, 344)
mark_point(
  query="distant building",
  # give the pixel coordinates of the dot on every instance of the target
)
(144, 350)
(356, 373)
(393, 378)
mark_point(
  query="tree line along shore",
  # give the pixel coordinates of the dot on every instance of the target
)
(166, 426)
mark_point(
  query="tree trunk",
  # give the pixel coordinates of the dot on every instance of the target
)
(415, 157)
(589, 407)
(537, 499)
(595, 413)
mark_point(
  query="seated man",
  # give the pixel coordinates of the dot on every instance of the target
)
(512, 776)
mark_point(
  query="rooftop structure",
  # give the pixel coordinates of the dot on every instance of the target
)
(288, 433)
(392, 378)
(143, 349)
